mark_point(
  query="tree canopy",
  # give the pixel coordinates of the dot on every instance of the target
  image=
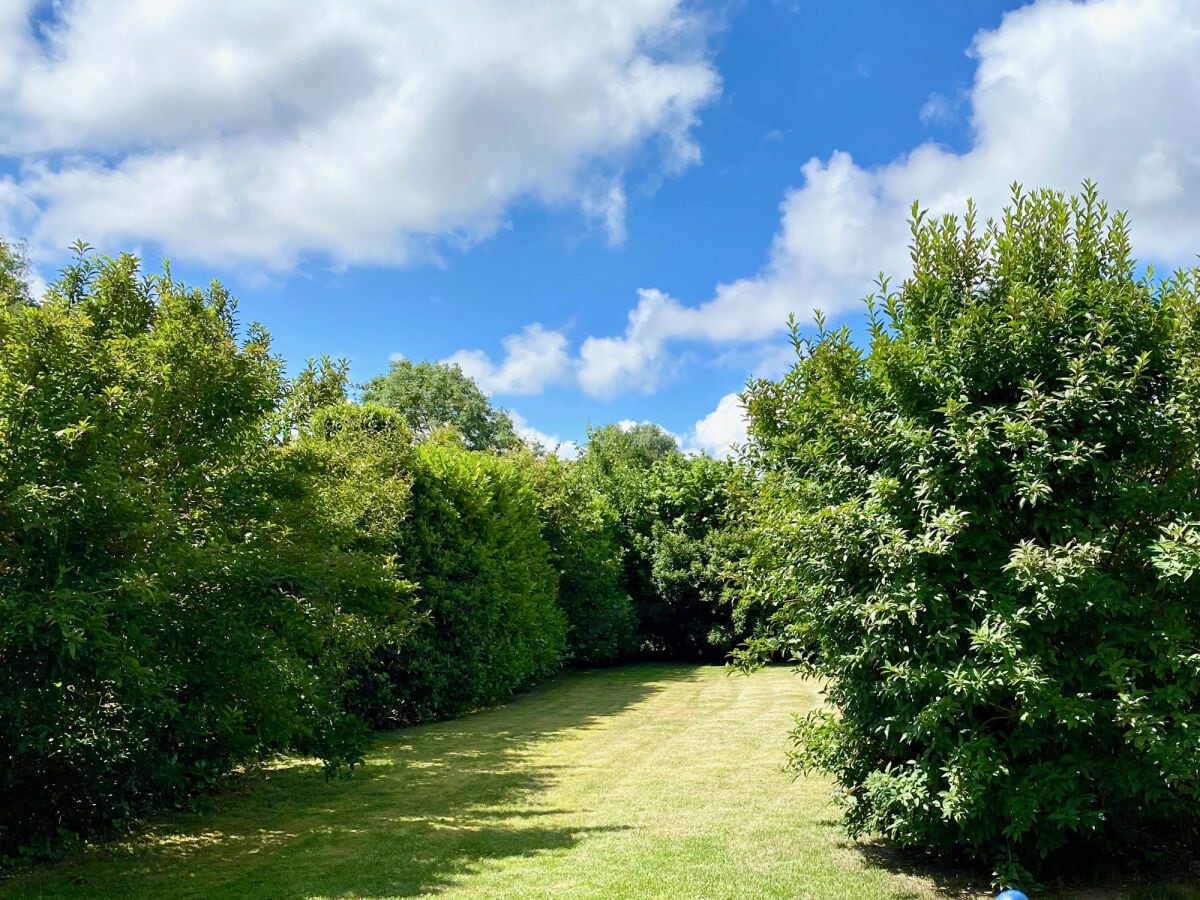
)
(14, 274)
(433, 395)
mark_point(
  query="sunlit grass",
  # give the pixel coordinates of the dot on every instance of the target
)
(648, 781)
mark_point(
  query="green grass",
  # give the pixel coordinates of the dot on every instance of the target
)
(648, 781)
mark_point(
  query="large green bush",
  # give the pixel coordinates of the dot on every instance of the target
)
(178, 592)
(697, 540)
(581, 529)
(126, 405)
(984, 532)
(677, 520)
(487, 590)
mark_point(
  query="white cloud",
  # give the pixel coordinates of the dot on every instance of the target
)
(717, 432)
(540, 439)
(834, 239)
(608, 206)
(533, 359)
(936, 110)
(1107, 90)
(37, 284)
(264, 132)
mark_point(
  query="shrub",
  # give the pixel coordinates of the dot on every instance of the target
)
(696, 542)
(486, 587)
(581, 531)
(983, 532)
(125, 403)
(178, 593)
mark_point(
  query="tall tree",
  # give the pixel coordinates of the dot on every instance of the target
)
(431, 396)
(14, 274)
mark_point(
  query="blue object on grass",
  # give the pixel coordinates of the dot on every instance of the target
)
(1011, 895)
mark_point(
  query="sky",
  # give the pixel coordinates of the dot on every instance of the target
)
(602, 211)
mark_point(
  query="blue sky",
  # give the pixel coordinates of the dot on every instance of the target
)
(603, 211)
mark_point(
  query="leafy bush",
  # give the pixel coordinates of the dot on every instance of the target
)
(983, 532)
(486, 587)
(581, 530)
(696, 542)
(677, 522)
(125, 403)
(176, 593)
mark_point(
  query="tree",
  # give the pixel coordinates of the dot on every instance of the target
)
(179, 593)
(613, 447)
(676, 522)
(984, 533)
(14, 274)
(438, 395)
(696, 541)
(616, 463)
(580, 527)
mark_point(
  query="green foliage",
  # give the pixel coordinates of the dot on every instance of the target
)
(580, 527)
(697, 541)
(14, 275)
(431, 396)
(613, 449)
(982, 532)
(616, 464)
(487, 590)
(203, 562)
(677, 524)
(177, 592)
(127, 408)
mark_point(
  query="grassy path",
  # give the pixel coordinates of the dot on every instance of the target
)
(648, 781)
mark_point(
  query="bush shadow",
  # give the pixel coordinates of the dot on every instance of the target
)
(1175, 880)
(431, 804)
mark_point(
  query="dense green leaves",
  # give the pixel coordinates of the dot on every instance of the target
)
(581, 528)
(203, 562)
(438, 395)
(678, 521)
(130, 421)
(982, 532)
(487, 590)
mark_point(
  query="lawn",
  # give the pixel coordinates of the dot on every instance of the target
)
(646, 781)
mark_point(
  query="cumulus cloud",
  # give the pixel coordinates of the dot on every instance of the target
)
(540, 439)
(835, 237)
(363, 133)
(1107, 90)
(533, 359)
(721, 429)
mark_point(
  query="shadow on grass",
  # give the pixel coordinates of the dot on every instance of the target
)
(431, 804)
(1175, 880)
(948, 880)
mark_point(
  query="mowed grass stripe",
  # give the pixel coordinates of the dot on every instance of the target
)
(647, 781)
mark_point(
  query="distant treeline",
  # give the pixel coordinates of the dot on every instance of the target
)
(203, 562)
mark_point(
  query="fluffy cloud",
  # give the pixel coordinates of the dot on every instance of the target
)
(717, 432)
(835, 237)
(549, 442)
(363, 132)
(1107, 90)
(533, 359)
